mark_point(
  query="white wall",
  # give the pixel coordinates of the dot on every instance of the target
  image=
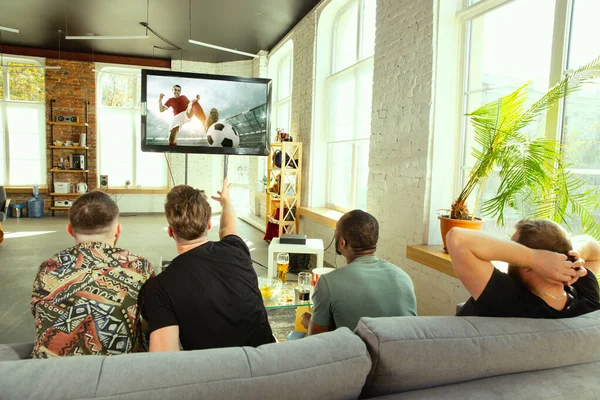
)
(400, 160)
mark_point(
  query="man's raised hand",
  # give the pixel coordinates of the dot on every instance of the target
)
(223, 195)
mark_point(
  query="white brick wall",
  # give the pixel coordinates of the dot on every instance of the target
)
(400, 136)
(400, 141)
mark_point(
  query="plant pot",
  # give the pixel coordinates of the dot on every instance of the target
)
(447, 223)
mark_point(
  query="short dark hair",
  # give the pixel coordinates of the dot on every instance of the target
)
(174, 86)
(93, 213)
(541, 235)
(360, 230)
(187, 211)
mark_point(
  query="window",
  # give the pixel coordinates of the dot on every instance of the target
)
(348, 92)
(499, 60)
(22, 123)
(281, 72)
(581, 120)
(119, 133)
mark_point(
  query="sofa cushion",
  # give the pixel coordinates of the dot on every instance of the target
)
(332, 365)
(15, 351)
(565, 383)
(419, 352)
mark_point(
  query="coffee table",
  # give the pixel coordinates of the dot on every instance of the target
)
(301, 307)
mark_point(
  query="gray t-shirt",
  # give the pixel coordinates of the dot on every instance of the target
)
(367, 287)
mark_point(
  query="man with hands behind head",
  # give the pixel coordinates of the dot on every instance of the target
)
(549, 275)
(208, 297)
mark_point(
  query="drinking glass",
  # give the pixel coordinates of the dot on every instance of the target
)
(304, 285)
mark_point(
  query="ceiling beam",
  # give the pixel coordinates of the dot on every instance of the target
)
(103, 58)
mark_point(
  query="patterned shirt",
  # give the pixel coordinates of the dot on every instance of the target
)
(85, 301)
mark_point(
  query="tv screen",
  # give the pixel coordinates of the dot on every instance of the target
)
(201, 113)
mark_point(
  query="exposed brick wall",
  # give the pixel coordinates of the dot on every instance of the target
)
(400, 137)
(70, 86)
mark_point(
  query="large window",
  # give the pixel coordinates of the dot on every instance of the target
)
(347, 99)
(281, 72)
(119, 122)
(504, 51)
(22, 123)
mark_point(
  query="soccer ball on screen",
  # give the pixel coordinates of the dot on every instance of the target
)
(222, 134)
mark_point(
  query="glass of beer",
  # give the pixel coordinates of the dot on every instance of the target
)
(283, 265)
(304, 284)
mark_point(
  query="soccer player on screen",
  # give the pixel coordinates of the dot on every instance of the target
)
(183, 110)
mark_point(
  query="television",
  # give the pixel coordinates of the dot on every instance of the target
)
(201, 113)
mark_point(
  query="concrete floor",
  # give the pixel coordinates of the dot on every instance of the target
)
(28, 242)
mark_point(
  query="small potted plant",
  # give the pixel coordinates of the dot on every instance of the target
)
(533, 177)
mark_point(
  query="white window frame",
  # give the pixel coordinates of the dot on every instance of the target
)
(443, 194)
(136, 93)
(283, 54)
(4, 118)
(332, 75)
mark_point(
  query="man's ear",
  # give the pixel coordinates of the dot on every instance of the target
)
(170, 231)
(343, 243)
(119, 230)
(70, 229)
(209, 225)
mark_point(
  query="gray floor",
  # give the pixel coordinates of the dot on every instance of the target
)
(28, 242)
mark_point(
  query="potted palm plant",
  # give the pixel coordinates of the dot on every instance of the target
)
(533, 176)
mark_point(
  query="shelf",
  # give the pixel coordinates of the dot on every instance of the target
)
(69, 171)
(68, 147)
(67, 123)
(60, 208)
(66, 194)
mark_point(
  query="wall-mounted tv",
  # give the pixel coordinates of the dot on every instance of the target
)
(200, 113)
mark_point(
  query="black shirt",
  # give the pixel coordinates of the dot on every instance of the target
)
(505, 296)
(212, 293)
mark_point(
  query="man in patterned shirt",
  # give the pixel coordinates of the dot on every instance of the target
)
(85, 298)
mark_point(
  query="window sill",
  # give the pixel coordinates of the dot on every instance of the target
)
(322, 215)
(23, 189)
(134, 191)
(434, 257)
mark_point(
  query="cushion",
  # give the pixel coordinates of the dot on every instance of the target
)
(15, 351)
(419, 352)
(565, 383)
(331, 365)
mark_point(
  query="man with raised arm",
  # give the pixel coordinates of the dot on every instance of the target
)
(541, 281)
(85, 298)
(366, 287)
(208, 297)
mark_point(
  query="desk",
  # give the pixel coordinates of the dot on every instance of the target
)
(312, 246)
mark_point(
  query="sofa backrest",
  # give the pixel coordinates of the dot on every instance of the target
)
(411, 353)
(332, 365)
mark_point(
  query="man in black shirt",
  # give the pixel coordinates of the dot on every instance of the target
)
(208, 296)
(541, 282)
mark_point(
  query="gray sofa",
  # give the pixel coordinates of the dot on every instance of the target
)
(387, 358)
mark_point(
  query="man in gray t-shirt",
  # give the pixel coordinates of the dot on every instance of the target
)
(366, 287)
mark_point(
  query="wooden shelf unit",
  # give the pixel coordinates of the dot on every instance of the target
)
(65, 194)
(288, 198)
(68, 147)
(68, 123)
(69, 171)
(76, 131)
